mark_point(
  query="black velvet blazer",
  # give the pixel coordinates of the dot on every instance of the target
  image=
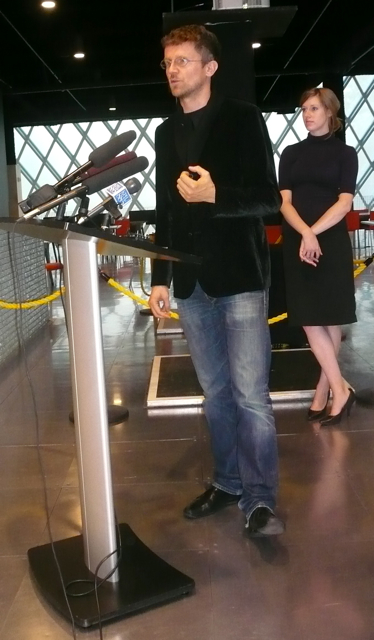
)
(229, 235)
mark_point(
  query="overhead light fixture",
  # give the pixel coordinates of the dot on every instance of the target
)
(79, 55)
(256, 45)
(48, 4)
(112, 104)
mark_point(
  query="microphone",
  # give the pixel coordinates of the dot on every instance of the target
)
(92, 185)
(114, 201)
(125, 157)
(118, 173)
(98, 158)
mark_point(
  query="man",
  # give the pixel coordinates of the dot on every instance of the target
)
(215, 181)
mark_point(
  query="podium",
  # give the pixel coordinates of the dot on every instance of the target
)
(130, 575)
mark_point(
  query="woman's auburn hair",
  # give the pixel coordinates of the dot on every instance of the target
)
(330, 103)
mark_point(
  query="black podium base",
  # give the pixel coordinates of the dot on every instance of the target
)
(145, 580)
(116, 414)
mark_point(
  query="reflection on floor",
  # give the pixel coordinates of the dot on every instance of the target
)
(315, 583)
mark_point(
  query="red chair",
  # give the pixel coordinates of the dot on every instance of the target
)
(122, 226)
(274, 233)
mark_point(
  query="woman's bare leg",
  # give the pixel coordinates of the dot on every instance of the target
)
(325, 343)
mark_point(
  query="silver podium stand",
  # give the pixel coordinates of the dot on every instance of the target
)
(138, 578)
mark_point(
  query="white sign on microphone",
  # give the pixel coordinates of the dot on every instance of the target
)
(119, 193)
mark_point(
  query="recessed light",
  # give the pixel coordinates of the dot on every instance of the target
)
(112, 108)
(48, 4)
(79, 55)
(256, 45)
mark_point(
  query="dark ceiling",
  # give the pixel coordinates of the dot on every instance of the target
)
(43, 83)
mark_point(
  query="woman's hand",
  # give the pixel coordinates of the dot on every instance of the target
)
(310, 251)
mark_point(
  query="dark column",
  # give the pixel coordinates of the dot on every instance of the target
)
(4, 191)
(235, 75)
(334, 81)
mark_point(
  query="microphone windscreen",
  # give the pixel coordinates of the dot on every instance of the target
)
(40, 196)
(118, 173)
(112, 148)
(125, 157)
(133, 185)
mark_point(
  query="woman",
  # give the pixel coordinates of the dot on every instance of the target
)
(317, 181)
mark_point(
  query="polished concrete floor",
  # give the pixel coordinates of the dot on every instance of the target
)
(316, 582)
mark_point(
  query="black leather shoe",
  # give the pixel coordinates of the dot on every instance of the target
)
(315, 414)
(211, 501)
(330, 420)
(262, 522)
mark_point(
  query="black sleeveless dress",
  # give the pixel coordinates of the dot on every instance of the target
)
(317, 170)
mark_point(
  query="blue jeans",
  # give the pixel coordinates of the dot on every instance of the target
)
(230, 347)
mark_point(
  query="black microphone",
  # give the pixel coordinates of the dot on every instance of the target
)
(92, 185)
(125, 157)
(116, 174)
(97, 158)
(111, 204)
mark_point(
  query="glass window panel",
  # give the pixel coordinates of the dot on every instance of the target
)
(46, 177)
(99, 133)
(151, 129)
(70, 136)
(112, 125)
(58, 159)
(364, 82)
(145, 149)
(25, 186)
(147, 198)
(127, 125)
(18, 141)
(367, 189)
(350, 137)
(42, 139)
(276, 124)
(299, 127)
(352, 95)
(30, 161)
(363, 163)
(369, 147)
(83, 153)
(276, 162)
(84, 125)
(362, 121)
(289, 139)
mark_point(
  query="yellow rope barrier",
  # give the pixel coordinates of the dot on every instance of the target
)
(363, 265)
(29, 304)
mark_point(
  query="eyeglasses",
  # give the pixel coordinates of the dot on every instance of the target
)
(178, 62)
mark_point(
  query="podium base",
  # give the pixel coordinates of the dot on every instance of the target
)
(116, 414)
(145, 580)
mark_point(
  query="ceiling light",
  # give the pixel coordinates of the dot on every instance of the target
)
(48, 4)
(256, 45)
(112, 108)
(79, 55)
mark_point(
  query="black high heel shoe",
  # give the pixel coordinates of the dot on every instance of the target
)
(335, 419)
(316, 414)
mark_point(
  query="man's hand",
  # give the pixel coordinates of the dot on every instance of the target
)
(200, 190)
(159, 301)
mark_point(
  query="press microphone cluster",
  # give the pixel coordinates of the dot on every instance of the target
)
(112, 203)
(100, 159)
(95, 183)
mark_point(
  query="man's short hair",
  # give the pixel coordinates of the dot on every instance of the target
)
(204, 41)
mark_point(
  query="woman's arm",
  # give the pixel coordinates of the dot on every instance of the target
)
(310, 251)
(334, 214)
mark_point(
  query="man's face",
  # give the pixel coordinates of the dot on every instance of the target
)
(188, 80)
